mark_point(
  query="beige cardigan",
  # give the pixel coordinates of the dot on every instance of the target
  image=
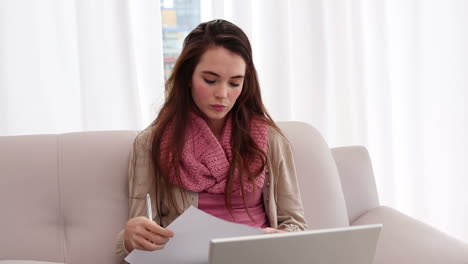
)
(281, 195)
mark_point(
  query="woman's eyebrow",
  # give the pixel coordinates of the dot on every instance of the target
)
(211, 73)
(217, 75)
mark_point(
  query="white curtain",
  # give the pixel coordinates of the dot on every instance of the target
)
(390, 74)
(79, 65)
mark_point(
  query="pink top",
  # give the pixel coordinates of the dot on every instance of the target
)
(214, 205)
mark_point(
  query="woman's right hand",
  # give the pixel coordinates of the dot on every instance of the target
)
(142, 233)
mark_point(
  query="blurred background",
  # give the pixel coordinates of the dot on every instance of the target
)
(391, 75)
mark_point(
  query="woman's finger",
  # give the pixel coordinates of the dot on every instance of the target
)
(155, 238)
(145, 244)
(270, 230)
(157, 229)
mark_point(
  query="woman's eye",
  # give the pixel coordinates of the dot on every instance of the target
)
(234, 84)
(209, 81)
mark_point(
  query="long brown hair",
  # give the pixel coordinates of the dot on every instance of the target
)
(179, 102)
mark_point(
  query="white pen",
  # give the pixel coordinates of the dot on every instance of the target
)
(148, 207)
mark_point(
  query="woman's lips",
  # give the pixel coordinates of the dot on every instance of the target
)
(217, 107)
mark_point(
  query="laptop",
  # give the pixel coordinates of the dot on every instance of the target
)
(350, 245)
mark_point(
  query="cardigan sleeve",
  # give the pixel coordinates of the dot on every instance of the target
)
(289, 209)
(140, 182)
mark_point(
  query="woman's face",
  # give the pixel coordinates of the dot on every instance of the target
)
(217, 83)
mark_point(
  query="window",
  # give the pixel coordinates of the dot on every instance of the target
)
(179, 17)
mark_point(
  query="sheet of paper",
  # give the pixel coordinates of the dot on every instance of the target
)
(193, 231)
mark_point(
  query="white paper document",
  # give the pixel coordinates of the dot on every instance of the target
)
(193, 231)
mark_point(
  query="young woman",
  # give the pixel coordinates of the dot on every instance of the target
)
(213, 146)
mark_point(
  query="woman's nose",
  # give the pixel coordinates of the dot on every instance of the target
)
(221, 91)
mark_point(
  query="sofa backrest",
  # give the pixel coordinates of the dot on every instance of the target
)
(64, 197)
(319, 181)
(357, 180)
(30, 222)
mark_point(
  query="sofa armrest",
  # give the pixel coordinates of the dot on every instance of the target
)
(405, 240)
(357, 179)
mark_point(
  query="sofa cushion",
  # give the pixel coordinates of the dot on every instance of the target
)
(404, 240)
(357, 179)
(319, 181)
(94, 192)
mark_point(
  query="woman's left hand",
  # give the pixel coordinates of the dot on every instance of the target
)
(270, 230)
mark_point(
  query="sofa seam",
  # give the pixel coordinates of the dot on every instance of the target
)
(365, 212)
(61, 216)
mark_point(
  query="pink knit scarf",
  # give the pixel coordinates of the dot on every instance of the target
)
(205, 159)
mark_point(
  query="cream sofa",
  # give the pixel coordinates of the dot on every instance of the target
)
(63, 198)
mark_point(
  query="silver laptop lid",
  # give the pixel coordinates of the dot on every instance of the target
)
(350, 245)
